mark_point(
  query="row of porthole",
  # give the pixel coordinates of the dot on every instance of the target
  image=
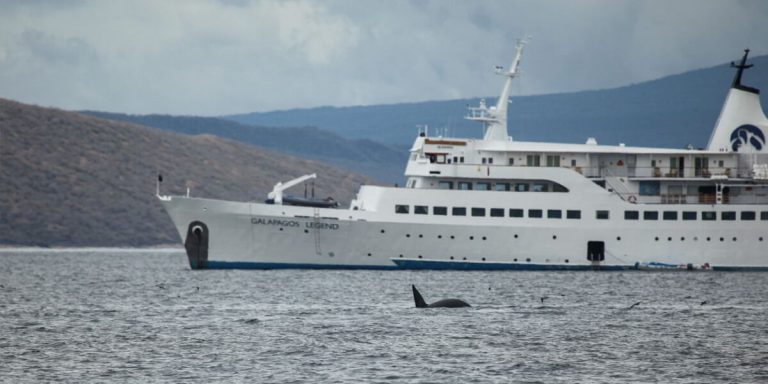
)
(452, 236)
(527, 260)
(697, 239)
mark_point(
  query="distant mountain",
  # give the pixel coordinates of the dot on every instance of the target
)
(380, 161)
(68, 179)
(673, 111)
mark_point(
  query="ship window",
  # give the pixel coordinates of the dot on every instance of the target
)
(554, 214)
(483, 186)
(461, 159)
(449, 160)
(441, 211)
(650, 215)
(511, 161)
(521, 187)
(483, 160)
(441, 159)
(455, 159)
(728, 216)
(478, 211)
(490, 160)
(401, 208)
(631, 215)
(533, 160)
(763, 215)
(459, 211)
(553, 160)
(689, 215)
(573, 162)
(465, 186)
(558, 188)
(535, 213)
(708, 215)
(515, 212)
(650, 188)
(501, 186)
(573, 214)
(497, 212)
(540, 187)
(420, 209)
(669, 215)
(602, 215)
(747, 215)
(445, 184)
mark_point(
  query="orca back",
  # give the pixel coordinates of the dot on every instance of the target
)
(420, 303)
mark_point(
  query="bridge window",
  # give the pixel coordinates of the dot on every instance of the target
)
(401, 208)
(535, 213)
(483, 186)
(501, 186)
(515, 212)
(478, 212)
(497, 212)
(573, 214)
(540, 187)
(459, 211)
(631, 215)
(748, 215)
(445, 184)
(764, 215)
(650, 188)
(554, 214)
(728, 216)
(650, 215)
(440, 211)
(533, 160)
(420, 209)
(602, 215)
(465, 186)
(689, 215)
(669, 215)
(521, 187)
(709, 215)
(553, 161)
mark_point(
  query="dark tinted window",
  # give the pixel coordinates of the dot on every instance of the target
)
(401, 209)
(689, 215)
(670, 215)
(650, 215)
(573, 214)
(442, 211)
(420, 209)
(764, 215)
(478, 211)
(459, 211)
(728, 216)
(631, 215)
(515, 212)
(747, 215)
(535, 213)
(708, 215)
(602, 215)
(497, 212)
(554, 214)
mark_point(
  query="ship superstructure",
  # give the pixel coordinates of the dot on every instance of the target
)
(497, 203)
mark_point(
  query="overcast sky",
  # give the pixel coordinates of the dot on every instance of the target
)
(212, 57)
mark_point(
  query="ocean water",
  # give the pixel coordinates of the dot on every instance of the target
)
(143, 316)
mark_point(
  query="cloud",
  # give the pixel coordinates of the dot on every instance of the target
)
(209, 57)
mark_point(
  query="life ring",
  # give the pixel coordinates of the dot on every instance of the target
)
(632, 199)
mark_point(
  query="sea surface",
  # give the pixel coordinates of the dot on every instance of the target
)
(144, 316)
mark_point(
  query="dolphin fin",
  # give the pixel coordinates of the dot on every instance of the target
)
(420, 303)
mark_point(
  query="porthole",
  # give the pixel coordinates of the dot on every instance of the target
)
(420, 236)
(682, 239)
(483, 237)
(452, 237)
(281, 228)
(721, 239)
(451, 257)
(669, 239)
(618, 238)
(471, 237)
(483, 258)
(554, 237)
(656, 238)
(401, 256)
(419, 256)
(515, 260)
(369, 255)
(439, 236)
(528, 259)
(709, 238)
(695, 238)
(382, 231)
(734, 239)
(515, 235)
(306, 231)
(567, 261)
(407, 235)
(761, 239)
(463, 258)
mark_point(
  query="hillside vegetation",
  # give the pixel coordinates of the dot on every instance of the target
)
(68, 179)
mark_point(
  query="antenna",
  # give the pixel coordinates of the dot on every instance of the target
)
(159, 181)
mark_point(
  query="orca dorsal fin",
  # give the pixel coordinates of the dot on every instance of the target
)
(420, 303)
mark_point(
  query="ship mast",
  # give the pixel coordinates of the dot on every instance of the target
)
(494, 118)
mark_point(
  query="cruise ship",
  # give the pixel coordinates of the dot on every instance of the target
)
(499, 204)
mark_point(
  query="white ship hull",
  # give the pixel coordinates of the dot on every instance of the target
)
(263, 236)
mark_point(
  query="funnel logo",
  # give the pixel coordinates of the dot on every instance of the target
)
(747, 134)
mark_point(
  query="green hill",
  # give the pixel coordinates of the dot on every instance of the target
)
(67, 179)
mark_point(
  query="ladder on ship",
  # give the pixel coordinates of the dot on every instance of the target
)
(316, 230)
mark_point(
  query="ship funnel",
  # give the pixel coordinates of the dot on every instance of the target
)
(742, 124)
